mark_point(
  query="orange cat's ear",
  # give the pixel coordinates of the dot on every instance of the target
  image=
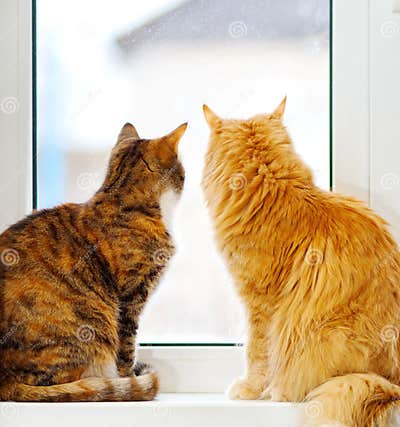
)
(280, 110)
(173, 138)
(128, 131)
(211, 117)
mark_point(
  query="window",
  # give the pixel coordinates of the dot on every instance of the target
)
(155, 63)
(365, 153)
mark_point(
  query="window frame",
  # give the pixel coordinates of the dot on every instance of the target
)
(191, 368)
(16, 158)
(350, 97)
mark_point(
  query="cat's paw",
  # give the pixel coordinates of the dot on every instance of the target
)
(275, 395)
(266, 394)
(243, 389)
(142, 369)
(139, 369)
(125, 372)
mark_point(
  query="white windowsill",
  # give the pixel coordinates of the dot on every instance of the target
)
(169, 410)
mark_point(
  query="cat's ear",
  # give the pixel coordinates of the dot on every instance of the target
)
(167, 146)
(211, 117)
(128, 131)
(173, 138)
(280, 110)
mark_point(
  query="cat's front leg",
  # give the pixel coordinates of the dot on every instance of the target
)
(127, 337)
(254, 384)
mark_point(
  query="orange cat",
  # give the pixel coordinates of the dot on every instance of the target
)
(319, 275)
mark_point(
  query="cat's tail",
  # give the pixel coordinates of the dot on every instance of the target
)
(354, 400)
(93, 389)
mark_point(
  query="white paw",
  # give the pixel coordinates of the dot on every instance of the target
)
(243, 389)
(266, 394)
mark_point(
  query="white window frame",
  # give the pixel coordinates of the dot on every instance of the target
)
(16, 111)
(351, 98)
(195, 368)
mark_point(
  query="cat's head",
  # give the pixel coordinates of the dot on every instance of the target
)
(263, 131)
(149, 167)
(244, 151)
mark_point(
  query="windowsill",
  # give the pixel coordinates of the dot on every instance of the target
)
(169, 410)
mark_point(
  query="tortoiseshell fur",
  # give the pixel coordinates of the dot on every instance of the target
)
(78, 278)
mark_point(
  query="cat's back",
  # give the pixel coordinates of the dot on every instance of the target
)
(49, 261)
(350, 230)
(65, 215)
(44, 236)
(352, 214)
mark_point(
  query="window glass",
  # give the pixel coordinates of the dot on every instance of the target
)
(154, 63)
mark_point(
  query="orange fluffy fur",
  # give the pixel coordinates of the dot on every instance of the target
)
(318, 272)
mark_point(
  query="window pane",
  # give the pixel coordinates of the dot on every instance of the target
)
(155, 63)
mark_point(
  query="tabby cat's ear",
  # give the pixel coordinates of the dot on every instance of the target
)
(128, 131)
(163, 149)
(211, 117)
(173, 138)
(280, 110)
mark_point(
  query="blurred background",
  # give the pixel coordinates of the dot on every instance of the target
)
(154, 63)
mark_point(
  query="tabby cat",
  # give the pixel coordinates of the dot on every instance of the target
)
(74, 280)
(319, 275)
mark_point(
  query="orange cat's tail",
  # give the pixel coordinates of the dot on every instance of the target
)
(143, 387)
(354, 400)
